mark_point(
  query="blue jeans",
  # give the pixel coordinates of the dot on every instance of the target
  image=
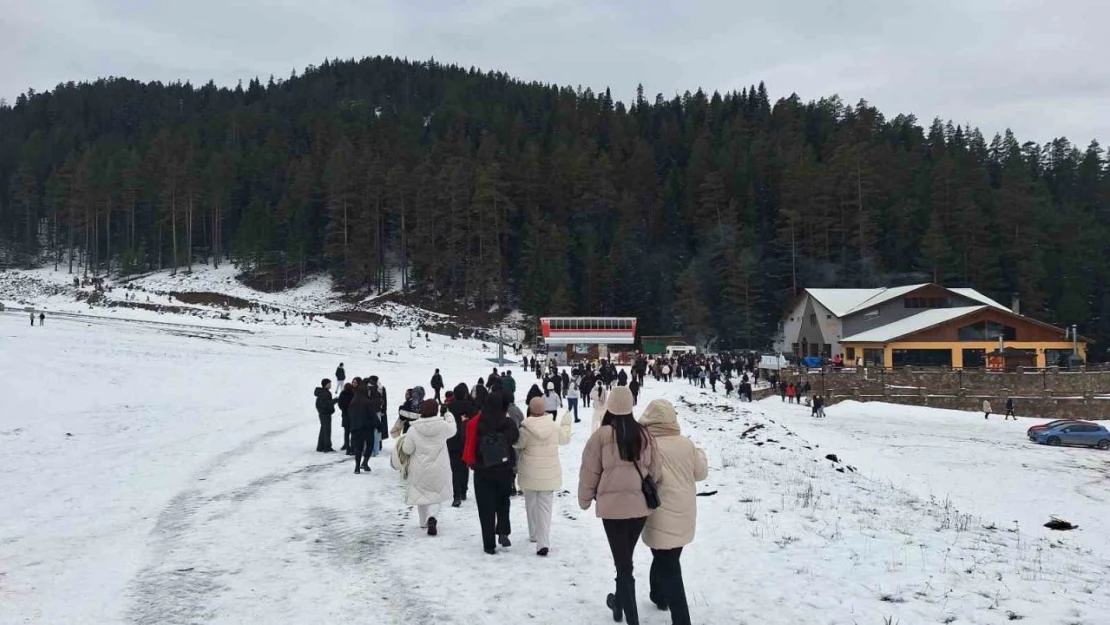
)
(377, 445)
(572, 404)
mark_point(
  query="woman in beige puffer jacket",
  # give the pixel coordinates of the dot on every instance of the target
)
(615, 458)
(670, 527)
(538, 470)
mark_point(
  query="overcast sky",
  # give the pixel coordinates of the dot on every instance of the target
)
(1038, 67)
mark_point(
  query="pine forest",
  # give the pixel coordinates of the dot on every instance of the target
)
(700, 214)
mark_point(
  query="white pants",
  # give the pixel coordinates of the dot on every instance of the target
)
(537, 503)
(426, 511)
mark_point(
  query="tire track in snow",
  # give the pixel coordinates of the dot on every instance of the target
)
(165, 595)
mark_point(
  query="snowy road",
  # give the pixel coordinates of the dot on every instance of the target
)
(163, 473)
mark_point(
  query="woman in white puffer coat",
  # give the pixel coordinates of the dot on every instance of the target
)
(599, 396)
(538, 469)
(670, 527)
(429, 466)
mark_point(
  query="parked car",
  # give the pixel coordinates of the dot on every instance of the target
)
(1040, 427)
(1075, 433)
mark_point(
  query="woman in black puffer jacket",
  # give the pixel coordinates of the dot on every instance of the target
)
(344, 403)
(462, 407)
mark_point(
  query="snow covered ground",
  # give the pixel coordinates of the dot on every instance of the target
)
(159, 469)
(53, 291)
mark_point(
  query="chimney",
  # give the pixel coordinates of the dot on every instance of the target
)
(1015, 304)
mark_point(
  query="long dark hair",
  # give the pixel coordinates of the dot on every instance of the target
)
(493, 413)
(631, 437)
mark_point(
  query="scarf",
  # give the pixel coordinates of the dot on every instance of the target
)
(663, 429)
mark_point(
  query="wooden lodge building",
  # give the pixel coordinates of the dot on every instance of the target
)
(922, 325)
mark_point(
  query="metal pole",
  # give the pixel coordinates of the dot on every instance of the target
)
(501, 347)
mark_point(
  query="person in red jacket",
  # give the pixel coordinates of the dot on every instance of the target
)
(492, 431)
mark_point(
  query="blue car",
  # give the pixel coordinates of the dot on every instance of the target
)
(1074, 433)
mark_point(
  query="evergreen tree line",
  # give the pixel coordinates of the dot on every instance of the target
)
(700, 214)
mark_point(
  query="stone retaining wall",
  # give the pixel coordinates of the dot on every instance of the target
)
(1046, 393)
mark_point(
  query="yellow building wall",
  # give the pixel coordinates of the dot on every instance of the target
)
(958, 347)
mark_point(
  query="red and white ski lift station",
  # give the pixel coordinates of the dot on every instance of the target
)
(586, 337)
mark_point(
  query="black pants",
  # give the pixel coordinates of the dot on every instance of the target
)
(460, 476)
(623, 534)
(491, 493)
(346, 437)
(437, 394)
(666, 584)
(323, 443)
(361, 443)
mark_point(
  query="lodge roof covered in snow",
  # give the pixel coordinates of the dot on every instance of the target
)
(921, 321)
(844, 302)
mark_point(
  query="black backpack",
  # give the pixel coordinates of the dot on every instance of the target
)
(494, 449)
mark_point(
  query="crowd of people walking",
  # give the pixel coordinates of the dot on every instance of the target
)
(639, 476)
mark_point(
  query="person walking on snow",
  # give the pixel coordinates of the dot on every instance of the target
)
(377, 388)
(600, 397)
(489, 439)
(429, 467)
(364, 410)
(552, 401)
(462, 408)
(617, 459)
(539, 471)
(670, 527)
(437, 384)
(572, 399)
(986, 409)
(344, 402)
(585, 388)
(409, 412)
(340, 377)
(42, 319)
(32, 318)
(1009, 408)
(325, 408)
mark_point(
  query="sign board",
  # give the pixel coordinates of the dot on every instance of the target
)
(581, 348)
(772, 362)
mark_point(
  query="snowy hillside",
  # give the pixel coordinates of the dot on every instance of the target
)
(159, 469)
(209, 293)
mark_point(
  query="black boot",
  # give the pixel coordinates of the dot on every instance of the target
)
(456, 503)
(657, 599)
(626, 597)
(365, 467)
(615, 606)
